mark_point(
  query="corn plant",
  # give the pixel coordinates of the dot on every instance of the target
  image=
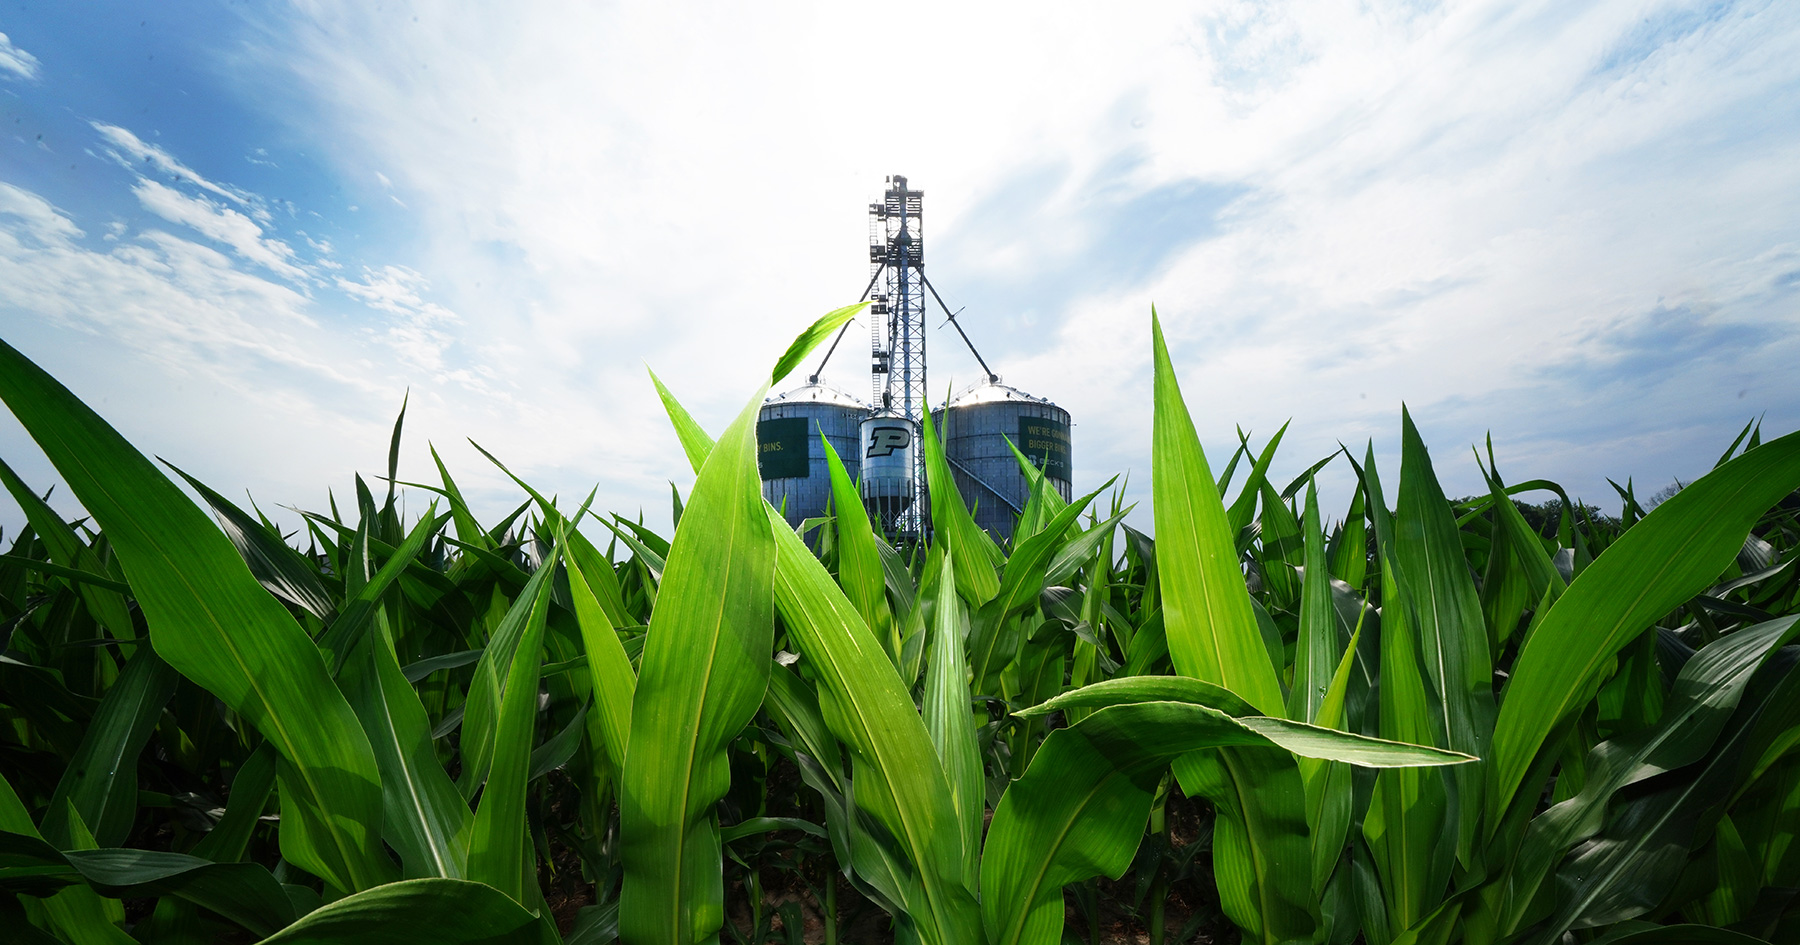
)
(1433, 723)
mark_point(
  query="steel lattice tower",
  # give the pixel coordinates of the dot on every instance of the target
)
(897, 325)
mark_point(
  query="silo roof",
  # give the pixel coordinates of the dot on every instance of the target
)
(988, 392)
(818, 393)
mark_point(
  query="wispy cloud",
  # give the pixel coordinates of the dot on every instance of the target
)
(220, 223)
(17, 61)
(162, 161)
(417, 330)
(1571, 224)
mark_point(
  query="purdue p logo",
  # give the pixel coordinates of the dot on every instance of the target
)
(883, 441)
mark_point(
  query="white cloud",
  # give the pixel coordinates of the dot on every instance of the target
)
(16, 61)
(220, 223)
(1514, 216)
(145, 153)
(417, 331)
(1336, 207)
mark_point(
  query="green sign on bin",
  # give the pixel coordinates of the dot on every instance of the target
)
(1046, 442)
(783, 448)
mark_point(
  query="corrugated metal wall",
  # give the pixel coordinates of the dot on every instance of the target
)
(793, 463)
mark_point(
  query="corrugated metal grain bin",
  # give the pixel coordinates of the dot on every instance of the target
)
(975, 428)
(789, 456)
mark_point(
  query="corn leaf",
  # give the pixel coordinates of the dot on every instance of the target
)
(212, 621)
(947, 716)
(703, 675)
(1211, 629)
(1679, 549)
(441, 911)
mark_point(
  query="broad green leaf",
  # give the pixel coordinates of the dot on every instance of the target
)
(277, 566)
(100, 781)
(703, 674)
(614, 681)
(466, 527)
(900, 783)
(482, 708)
(440, 911)
(424, 817)
(1625, 870)
(77, 914)
(1316, 649)
(975, 553)
(1020, 585)
(499, 852)
(244, 893)
(1411, 842)
(1679, 549)
(946, 708)
(1451, 631)
(859, 563)
(212, 621)
(366, 590)
(67, 549)
(1705, 694)
(250, 789)
(810, 338)
(1243, 509)
(1211, 629)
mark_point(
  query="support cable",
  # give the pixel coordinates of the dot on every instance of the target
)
(814, 379)
(991, 376)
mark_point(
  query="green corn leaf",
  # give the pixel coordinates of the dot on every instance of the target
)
(1211, 629)
(1451, 631)
(481, 709)
(900, 783)
(1126, 690)
(1080, 809)
(441, 911)
(1349, 549)
(860, 571)
(1080, 550)
(212, 621)
(810, 338)
(250, 788)
(1411, 843)
(342, 636)
(1316, 651)
(1705, 694)
(1328, 784)
(1678, 550)
(947, 717)
(1243, 509)
(424, 817)
(244, 893)
(703, 675)
(975, 553)
(67, 549)
(1021, 583)
(499, 854)
(1625, 870)
(466, 527)
(77, 914)
(614, 681)
(100, 782)
(1519, 571)
(278, 567)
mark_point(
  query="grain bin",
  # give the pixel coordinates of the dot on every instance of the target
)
(889, 443)
(975, 428)
(789, 456)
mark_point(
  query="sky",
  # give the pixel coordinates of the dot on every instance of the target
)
(247, 233)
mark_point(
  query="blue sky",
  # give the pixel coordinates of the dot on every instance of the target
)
(245, 234)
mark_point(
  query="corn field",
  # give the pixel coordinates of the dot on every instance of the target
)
(1414, 720)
